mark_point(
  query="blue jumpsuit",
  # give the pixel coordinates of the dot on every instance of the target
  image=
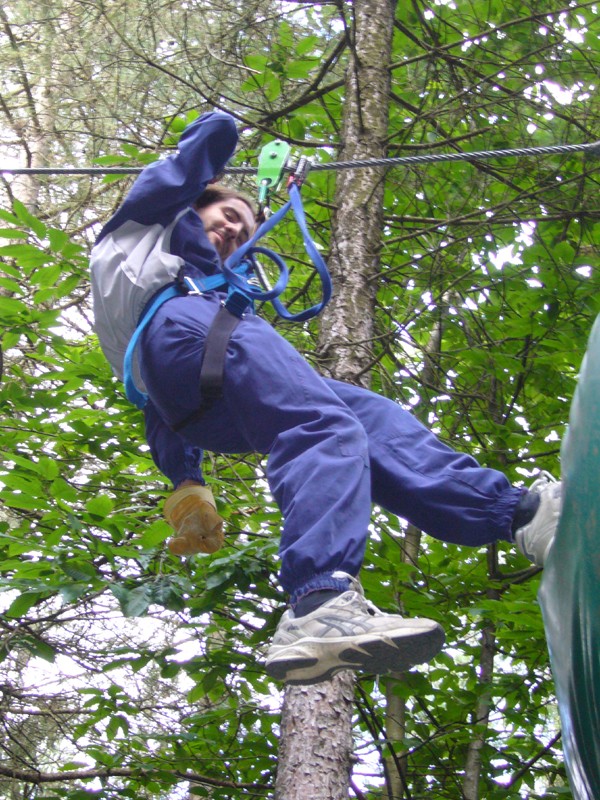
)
(333, 448)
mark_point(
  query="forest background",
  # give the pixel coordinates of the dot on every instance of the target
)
(129, 673)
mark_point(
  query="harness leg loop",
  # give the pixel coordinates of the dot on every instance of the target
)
(213, 363)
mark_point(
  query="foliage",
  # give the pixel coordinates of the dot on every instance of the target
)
(487, 291)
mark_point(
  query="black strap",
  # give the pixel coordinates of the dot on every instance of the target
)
(213, 364)
(215, 349)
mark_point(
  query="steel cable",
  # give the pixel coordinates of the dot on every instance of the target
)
(481, 155)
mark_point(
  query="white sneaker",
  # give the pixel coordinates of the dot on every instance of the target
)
(535, 539)
(349, 632)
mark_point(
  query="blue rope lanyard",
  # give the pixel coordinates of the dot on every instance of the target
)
(236, 277)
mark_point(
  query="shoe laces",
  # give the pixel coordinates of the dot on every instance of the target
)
(356, 586)
(543, 479)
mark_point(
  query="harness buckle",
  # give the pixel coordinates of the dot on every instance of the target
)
(192, 286)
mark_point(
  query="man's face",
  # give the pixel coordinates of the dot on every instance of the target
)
(228, 224)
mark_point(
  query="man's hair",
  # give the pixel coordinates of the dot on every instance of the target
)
(216, 193)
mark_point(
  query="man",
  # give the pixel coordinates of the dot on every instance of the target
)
(333, 449)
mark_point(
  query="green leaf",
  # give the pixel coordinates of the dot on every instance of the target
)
(100, 506)
(38, 647)
(297, 129)
(13, 233)
(223, 576)
(11, 307)
(564, 252)
(272, 87)
(113, 178)
(58, 239)
(199, 791)
(8, 217)
(307, 45)
(256, 62)
(23, 603)
(196, 694)
(20, 500)
(177, 125)
(61, 490)
(36, 225)
(131, 150)
(46, 276)
(110, 161)
(11, 286)
(73, 591)
(26, 255)
(133, 602)
(117, 722)
(155, 534)
(79, 570)
(170, 670)
(299, 70)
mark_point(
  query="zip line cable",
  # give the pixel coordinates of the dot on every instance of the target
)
(592, 147)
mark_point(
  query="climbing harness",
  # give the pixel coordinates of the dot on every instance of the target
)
(237, 276)
(198, 286)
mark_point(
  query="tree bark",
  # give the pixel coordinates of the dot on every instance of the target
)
(345, 344)
(482, 711)
(316, 735)
(396, 714)
(35, 138)
(316, 741)
(395, 706)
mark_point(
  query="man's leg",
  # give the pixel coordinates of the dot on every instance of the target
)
(444, 493)
(176, 458)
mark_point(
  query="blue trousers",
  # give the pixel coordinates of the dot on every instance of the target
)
(333, 448)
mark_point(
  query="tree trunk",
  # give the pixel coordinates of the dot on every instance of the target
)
(395, 706)
(316, 741)
(316, 735)
(35, 137)
(482, 711)
(395, 714)
(345, 345)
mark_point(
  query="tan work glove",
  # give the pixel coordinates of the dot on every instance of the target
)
(192, 513)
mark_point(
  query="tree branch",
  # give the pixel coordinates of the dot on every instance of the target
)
(38, 777)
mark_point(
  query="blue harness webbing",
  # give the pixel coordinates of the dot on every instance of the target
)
(134, 395)
(237, 280)
(242, 294)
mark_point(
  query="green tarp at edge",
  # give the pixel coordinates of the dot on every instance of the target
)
(570, 588)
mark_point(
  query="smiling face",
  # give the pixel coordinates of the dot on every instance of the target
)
(228, 224)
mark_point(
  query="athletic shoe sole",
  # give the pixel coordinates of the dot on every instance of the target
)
(312, 660)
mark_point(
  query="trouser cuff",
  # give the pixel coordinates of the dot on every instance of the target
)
(323, 581)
